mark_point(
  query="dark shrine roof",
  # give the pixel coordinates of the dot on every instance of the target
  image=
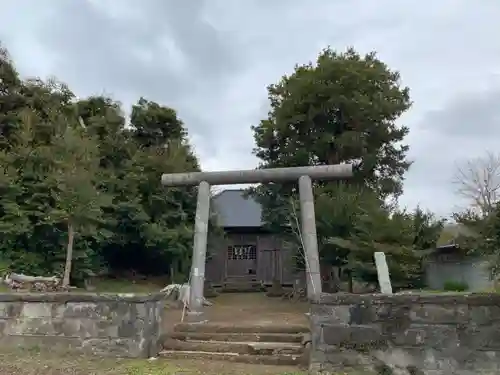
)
(234, 209)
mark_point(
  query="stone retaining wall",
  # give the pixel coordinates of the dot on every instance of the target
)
(406, 334)
(124, 325)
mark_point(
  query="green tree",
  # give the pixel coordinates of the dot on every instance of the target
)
(427, 229)
(487, 236)
(151, 226)
(163, 148)
(342, 108)
(11, 99)
(32, 123)
(155, 125)
(101, 116)
(405, 238)
(477, 233)
(75, 179)
(15, 220)
(75, 173)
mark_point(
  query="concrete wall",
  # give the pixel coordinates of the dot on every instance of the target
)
(106, 324)
(455, 334)
(472, 271)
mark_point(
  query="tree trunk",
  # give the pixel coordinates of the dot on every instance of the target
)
(31, 279)
(351, 283)
(69, 255)
(334, 280)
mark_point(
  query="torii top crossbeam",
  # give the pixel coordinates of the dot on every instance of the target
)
(252, 176)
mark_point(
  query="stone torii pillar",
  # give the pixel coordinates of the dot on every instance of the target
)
(305, 176)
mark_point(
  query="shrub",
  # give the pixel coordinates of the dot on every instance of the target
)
(455, 286)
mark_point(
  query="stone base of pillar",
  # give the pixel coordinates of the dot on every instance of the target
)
(209, 291)
(276, 289)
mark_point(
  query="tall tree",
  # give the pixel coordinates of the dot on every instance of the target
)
(32, 124)
(155, 125)
(427, 228)
(11, 99)
(162, 217)
(342, 108)
(72, 169)
(74, 173)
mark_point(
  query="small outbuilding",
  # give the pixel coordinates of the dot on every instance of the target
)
(451, 263)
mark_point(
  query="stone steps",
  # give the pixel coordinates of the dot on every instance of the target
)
(245, 284)
(249, 347)
(239, 286)
(240, 289)
(237, 337)
(257, 344)
(275, 360)
(242, 328)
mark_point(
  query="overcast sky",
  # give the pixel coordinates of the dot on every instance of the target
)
(212, 61)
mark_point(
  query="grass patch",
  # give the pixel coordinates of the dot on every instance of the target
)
(4, 288)
(127, 286)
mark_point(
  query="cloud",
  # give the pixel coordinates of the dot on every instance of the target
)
(473, 116)
(212, 61)
(466, 127)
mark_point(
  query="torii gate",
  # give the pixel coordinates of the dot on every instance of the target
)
(204, 180)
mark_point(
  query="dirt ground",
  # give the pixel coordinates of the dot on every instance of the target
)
(29, 363)
(248, 309)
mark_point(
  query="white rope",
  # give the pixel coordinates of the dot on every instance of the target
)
(303, 252)
(184, 307)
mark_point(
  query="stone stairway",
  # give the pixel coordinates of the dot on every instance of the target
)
(270, 345)
(241, 285)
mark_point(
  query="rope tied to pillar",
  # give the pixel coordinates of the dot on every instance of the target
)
(302, 250)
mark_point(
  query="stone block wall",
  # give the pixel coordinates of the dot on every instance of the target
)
(122, 325)
(411, 334)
